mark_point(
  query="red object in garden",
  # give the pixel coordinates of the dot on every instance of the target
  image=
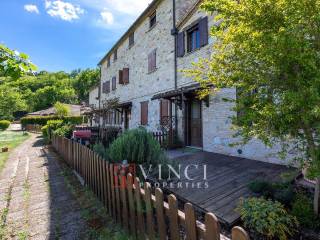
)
(83, 134)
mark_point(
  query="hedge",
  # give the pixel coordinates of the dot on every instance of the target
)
(43, 120)
(4, 124)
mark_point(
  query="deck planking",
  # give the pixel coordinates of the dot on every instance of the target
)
(228, 178)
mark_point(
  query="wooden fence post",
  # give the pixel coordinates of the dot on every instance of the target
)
(149, 210)
(190, 222)
(212, 227)
(173, 218)
(162, 229)
(124, 196)
(131, 205)
(239, 234)
(140, 214)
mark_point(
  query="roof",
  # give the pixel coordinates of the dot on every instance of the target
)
(75, 110)
(177, 92)
(131, 29)
(188, 14)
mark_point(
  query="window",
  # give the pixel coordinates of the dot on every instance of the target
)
(106, 87)
(125, 76)
(164, 112)
(114, 83)
(193, 38)
(115, 55)
(117, 117)
(121, 77)
(152, 61)
(153, 20)
(131, 39)
(144, 113)
(108, 63)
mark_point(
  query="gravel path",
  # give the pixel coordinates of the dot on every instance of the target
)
(34, 201)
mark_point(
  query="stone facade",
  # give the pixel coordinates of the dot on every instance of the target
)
(216, 123)
(94, 97)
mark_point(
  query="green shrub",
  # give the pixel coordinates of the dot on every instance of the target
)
(267, 218)
(4, 124)
(43, 120)
(45, 132)
(136, 146)
(302, 209)
(280, 191)
(260, 186)
(100, 150)
(64, 131)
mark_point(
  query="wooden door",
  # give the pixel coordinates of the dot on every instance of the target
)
(127, 113)
(195, 123)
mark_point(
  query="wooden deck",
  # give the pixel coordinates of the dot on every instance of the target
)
(228, 178)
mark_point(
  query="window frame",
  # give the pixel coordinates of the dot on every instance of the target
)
(115, 55)
(131, 40)
(153, 20)
(193, 38)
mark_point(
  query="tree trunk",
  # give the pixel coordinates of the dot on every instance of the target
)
(316, 203)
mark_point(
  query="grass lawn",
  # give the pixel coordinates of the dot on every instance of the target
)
(11, 140)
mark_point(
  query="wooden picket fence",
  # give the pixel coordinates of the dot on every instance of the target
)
(140, 212)
(161, 137)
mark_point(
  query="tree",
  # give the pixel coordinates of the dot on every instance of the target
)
(62, 110)
(85, 80)
(13, 63)
(10, 102)
(270, 51)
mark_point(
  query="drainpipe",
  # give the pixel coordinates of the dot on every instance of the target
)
(99, 92)
(174, 32)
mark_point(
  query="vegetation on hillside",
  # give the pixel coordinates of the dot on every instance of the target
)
(29, 91)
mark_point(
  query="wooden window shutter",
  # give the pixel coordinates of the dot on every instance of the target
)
(126, 75)
(152, 61)
(164, 108)
(104, 90)
(114, 83)
(144, 113)
(181, 44)
(107, 86)
(203, 29)
(121, 77)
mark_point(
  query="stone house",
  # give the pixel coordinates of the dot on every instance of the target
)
(143, 72)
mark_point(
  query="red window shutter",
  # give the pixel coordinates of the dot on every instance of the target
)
(180, 44)
(152, 61)
(126, 75)
(121, 77)
(144, 113)
(203, 29)
(114, 83)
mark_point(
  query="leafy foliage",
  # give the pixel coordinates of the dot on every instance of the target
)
(14, 64)
(270, 52)
(84, 81)
(267, 218)
(64, 131)
(43, 120)
(279, 191)
(62, 110)
(136, 146)
(302, 209)
(4, 124)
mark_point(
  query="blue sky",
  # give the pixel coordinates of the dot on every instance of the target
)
(66, 34)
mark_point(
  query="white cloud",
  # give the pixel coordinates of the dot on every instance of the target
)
(63, 10)
(31, 8)
(131, 7)
(107, 17)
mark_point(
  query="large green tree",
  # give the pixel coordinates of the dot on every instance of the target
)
(270, 51)
(14, 64)
(83, 81)
(10, 102)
